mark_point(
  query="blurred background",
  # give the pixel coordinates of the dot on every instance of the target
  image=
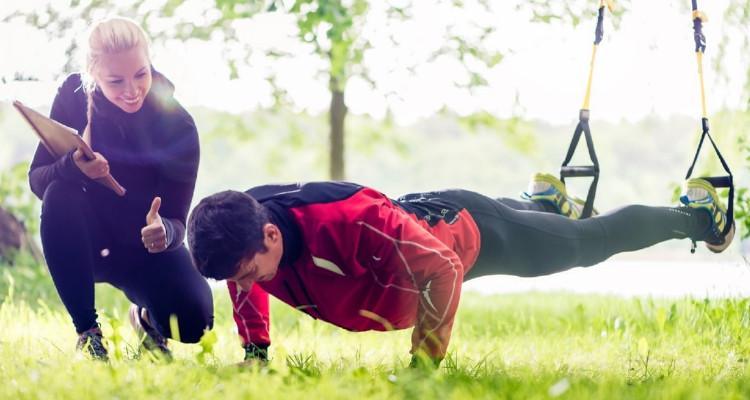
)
(417, 95)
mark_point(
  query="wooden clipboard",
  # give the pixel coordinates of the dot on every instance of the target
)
(60, 140)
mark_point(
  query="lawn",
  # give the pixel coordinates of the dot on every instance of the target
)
(533, 345)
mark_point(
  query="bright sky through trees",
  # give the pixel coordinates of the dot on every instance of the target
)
(647, 66)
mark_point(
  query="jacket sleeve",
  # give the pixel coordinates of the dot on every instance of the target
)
(251, 314)
(178, 173)
(44, 167)
(374, 236)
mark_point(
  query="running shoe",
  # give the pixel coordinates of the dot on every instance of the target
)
(548, 189)
(701, 195)
(92, 341)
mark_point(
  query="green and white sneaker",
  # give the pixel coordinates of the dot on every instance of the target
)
(548, 189)
(700, 194)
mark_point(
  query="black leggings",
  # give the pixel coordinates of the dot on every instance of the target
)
(80, 251)
(526, 239)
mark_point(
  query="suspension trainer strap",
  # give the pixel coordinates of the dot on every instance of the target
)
(700, 48)
(572, 171)
(598, 36)
(569, 171)
(717, 181)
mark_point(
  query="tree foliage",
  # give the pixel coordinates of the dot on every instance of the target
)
(569, 12)
(17, 199)
(337, 32)
(334, 28)
(18, 217)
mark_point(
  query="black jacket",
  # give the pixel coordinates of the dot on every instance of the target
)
(153, 152)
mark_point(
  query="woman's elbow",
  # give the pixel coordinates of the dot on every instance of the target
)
(35, 185)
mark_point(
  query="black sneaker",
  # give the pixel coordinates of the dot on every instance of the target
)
(699, 194)
(92, 341)
(150, 338)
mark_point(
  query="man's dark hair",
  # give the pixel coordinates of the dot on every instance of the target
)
(223, 229)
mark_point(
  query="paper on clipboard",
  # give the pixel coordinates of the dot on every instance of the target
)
(60, 139)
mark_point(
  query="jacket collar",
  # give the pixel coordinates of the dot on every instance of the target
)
(290, 232)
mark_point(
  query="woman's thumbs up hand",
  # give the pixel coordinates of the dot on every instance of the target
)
(154, 234)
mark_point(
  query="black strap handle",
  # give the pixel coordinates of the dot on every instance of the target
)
(571, 171)
(716, 181)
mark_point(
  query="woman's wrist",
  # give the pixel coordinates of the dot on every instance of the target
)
(68, 170)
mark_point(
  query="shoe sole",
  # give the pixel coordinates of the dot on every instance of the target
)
(146, 342)
(705, 185)
(134, 317)
(718, 248)
(552, 180)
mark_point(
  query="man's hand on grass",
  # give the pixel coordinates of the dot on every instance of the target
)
(255, 355)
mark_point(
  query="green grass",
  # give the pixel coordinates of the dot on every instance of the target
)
(507, 346)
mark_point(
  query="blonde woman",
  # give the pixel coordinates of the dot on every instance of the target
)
(147, 140)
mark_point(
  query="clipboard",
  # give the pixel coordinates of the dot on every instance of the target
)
(60, 139)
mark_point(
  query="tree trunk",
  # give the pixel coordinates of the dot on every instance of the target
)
(14, 239)
(337, 117)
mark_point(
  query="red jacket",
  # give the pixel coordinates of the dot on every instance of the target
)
(357, 259)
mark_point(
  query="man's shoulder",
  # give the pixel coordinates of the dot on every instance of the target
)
(300, 194)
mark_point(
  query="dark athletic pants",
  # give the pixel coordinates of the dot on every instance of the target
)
(164, 283)
(527, 239)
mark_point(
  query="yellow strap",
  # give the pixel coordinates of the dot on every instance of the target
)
(697, 14)
(700, 15)
(610, 4)
(699, 57)
(587, 98)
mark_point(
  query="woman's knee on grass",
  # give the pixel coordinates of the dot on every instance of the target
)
(191, 323)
